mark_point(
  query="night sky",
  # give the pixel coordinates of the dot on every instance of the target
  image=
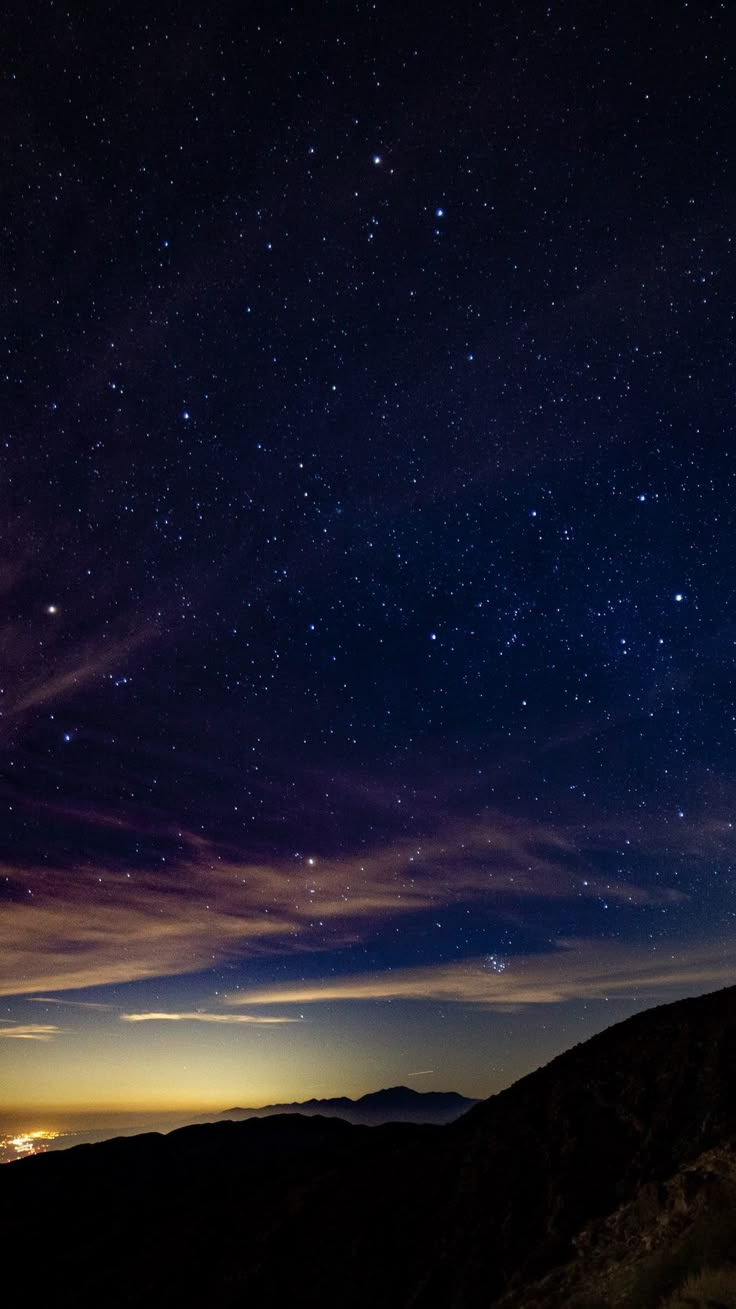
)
(367, 577)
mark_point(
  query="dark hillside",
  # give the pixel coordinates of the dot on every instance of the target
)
(314, 1211)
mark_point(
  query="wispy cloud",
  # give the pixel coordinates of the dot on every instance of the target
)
(197, 1017)
(66, 672)
(85, 927)
(51, 652)
(581, 970)
(71, 1004)
(30, 1032)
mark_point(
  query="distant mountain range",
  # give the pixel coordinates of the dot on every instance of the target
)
(602, 1181)
(396, 1104)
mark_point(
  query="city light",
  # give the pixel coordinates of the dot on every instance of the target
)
(21, 1144)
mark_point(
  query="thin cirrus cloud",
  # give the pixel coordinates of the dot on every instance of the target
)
(30, 1032)
(197, 1017)
(74, 668)
(85, 927)
(579, 970)
(72, 1004)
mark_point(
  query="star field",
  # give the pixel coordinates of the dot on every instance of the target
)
(368, 607)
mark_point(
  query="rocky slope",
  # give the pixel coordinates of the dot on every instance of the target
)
(647, 1248)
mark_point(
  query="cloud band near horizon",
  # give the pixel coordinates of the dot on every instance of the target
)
(573, 970)
(76, 928)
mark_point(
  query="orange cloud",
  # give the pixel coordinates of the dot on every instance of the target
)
(30, 1032)
(581, 970)
(197, 1017)
(83, 928)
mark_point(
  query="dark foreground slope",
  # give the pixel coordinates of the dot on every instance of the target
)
(510, 1203)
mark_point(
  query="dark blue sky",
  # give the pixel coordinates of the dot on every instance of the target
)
(368, 583)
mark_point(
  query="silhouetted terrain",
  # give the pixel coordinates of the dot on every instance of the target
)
(396, 1104)
(602, 1179)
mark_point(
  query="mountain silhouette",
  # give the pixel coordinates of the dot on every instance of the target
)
(599, 1180)
(396, 1104)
